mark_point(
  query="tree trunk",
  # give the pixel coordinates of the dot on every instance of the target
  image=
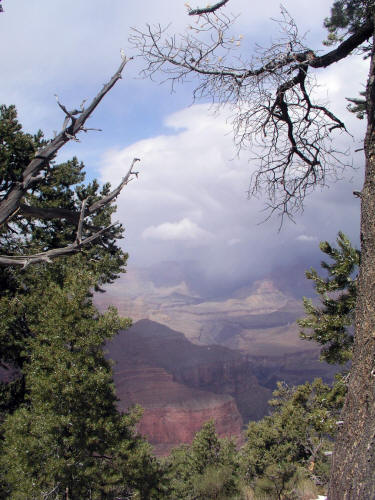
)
(353, 466)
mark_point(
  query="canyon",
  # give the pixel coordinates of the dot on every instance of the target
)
(180, 385)
(258, 319)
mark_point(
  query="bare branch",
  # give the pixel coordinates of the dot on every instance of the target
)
(80, 222)
(47, 213)
(209, 9)
(346, 47)
(271, 96)
(11, 202)
(35, 172)
(25, 260)
(113, 194)
(74, 216)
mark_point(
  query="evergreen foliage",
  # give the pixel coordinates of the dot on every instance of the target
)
(208, 469)
(331, 323)
(358, 105)
(347, 16)
(62, 435)
(68, 435)
(289, 445)
(63, 188)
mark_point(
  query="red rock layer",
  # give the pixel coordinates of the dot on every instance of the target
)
(173, 412)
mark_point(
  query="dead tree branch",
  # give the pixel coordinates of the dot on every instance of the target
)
(25, 260)
(74, 216)
(37, 171)
(207, 10)
(271, 96)
(77, 118)
(113, 194)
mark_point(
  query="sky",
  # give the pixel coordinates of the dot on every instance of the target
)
(190, 201)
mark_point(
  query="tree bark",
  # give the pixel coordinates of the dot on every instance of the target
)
(353, 466)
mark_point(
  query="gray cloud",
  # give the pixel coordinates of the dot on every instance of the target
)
(192, 187)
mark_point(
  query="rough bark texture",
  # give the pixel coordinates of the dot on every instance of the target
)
(353, 468)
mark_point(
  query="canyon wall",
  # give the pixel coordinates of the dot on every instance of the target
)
(173, 412)
(214, 369)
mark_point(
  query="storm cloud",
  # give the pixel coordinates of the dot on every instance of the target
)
(190, 203)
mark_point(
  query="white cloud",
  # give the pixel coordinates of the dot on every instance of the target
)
(191, 186)
(189, 171)
(306, 238)
(182, 230)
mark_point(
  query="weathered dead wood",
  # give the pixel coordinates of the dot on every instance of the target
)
(36, 171)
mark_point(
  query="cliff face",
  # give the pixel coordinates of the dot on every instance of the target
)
(171, 426)
(173, 412)
(181, 385)
(213, 369)
(235, 377)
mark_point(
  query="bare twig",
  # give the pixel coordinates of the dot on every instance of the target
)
(113, 194)
(271, 96)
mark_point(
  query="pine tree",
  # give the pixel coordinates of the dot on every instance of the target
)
(62, 435)
(290, 444)
(207, 469)
(64, 188)
(347, 16)
(68, 438)
(331, 323)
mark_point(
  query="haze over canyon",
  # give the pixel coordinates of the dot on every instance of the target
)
(189, 358)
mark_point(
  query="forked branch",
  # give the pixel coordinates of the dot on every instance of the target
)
(73, 124)
(72, 215)
(271, 96)
(37, 171)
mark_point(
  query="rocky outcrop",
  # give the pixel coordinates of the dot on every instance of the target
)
(173, 412)
(214, 369)
(234, 377)
(257, 320)
(181, 385)
(171, 426)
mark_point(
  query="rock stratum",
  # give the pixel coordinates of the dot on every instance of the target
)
(173, 412)
(190, 357)
(257, 320)
(181, 385)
